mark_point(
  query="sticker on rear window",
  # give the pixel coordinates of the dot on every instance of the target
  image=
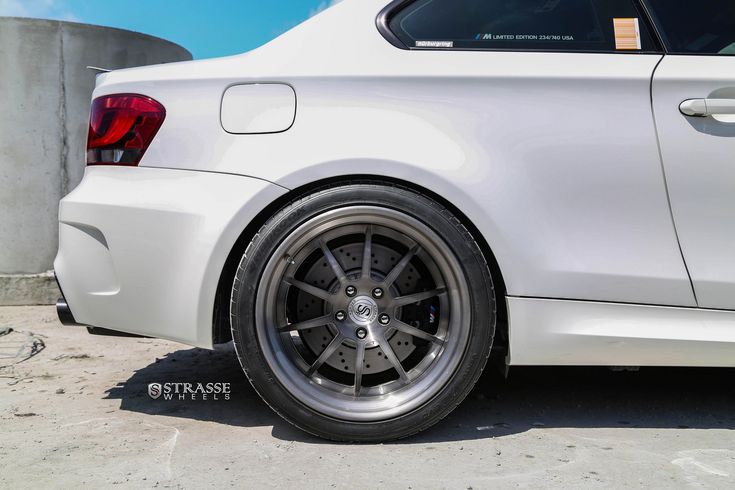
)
(434, 44)
(523, 37)
(627, 34)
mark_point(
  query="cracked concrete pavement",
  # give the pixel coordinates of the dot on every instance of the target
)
(78, 412)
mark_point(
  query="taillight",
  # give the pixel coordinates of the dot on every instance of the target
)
(121, 127)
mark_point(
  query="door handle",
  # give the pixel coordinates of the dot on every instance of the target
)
(708, 107)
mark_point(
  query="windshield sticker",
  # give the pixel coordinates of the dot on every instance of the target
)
(523, 37)
(627, 34)
(434, 44)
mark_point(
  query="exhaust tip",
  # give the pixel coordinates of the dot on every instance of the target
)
(64, 313)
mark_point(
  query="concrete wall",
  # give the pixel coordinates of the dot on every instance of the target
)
(45, 92)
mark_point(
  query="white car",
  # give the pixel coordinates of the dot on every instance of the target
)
(371, 203)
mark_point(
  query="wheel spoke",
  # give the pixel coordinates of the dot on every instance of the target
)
(391, 356)
(332, 261)
(359, 365)
(307, 324)
(367, 254)
(400, 266)
(308, 288)
(415, 332)
(328, 351)
(415, 298)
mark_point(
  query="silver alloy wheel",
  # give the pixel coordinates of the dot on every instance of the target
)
(362, 313)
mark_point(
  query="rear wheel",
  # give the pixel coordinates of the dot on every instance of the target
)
(363, 312)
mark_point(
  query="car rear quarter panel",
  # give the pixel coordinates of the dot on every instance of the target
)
(553, 156)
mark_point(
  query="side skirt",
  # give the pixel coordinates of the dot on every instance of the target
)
(585, 333)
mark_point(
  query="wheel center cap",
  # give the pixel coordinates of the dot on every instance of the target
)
(363, 310)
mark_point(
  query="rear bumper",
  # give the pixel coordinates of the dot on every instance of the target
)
(141, 249)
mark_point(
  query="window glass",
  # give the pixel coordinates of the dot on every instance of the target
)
(538, 25)
(701, 27)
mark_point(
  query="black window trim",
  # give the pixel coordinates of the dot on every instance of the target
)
(384, 18)
(386, 15)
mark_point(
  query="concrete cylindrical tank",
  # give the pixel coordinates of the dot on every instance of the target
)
(45, 91)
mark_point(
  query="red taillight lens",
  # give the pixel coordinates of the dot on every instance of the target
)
(121, 128)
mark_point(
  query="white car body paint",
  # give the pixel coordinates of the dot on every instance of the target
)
(552, 156)
(699, 159)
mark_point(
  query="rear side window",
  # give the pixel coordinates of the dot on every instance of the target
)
(696, 27)
(533, 25)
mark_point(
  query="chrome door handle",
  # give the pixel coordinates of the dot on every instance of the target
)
(708, 107)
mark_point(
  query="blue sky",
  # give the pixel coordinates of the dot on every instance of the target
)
(207, 28)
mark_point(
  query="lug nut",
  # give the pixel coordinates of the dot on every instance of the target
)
(384, 319)
(350, 291)
(361, 333)
(340, 316)
(377, 293)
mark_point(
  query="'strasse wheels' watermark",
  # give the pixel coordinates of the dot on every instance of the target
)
(190, 391)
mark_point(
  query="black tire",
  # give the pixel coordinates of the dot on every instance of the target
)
(472, 355)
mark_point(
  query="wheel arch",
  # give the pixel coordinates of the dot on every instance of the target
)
(221, 318)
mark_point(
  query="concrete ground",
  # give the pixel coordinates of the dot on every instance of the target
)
(78, 412)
